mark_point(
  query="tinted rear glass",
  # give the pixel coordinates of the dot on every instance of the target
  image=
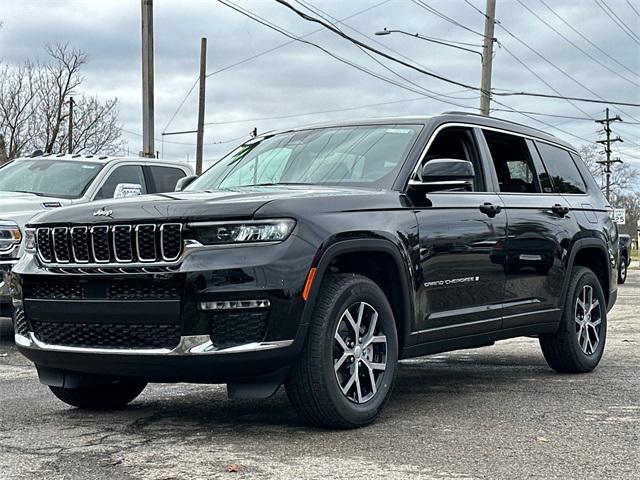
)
(563, 171)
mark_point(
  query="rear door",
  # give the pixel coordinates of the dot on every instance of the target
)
(461, 236)
(540, 226)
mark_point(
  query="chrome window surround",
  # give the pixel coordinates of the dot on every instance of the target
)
(433, 136)
(189, 345)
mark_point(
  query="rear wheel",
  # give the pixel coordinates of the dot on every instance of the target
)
(622, 270)
(347, 369)
(100, 397)
(578, 345)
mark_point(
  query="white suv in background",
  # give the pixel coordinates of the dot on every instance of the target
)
(31, 185)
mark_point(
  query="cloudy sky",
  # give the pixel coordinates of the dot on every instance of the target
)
(289, 85)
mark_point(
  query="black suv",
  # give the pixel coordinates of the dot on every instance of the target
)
(319, 257)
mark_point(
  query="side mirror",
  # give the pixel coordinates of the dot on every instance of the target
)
(124, 190)
(184, 182)
(448, 173)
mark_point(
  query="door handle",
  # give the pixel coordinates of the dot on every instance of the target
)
(490, 209)
(560, 210)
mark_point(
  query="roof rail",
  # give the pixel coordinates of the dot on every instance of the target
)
(455, 112)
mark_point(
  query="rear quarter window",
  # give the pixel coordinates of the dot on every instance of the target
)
(562, 169)
(165, 178)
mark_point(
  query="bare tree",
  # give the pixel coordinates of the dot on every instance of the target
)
(624, 176)
(34, 107)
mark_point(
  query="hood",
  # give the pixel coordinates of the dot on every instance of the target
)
(20, 207)
(240, 203)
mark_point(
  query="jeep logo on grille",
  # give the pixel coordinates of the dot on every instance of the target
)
(102, 213)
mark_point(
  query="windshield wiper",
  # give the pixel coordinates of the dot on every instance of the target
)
(32, 193)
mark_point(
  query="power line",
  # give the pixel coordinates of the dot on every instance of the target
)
(432, 10)
(180, 105)
(618, 21)
(633, 8)
(570, 42)
(337, 57)
(257, 55)
(162, 140)
(318, 11)
(269, 50)
(533, 72)
(587, 39)
(470, 87)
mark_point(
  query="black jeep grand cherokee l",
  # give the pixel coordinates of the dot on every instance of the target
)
(318, 258)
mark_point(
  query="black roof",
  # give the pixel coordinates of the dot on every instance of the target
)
(446, 117)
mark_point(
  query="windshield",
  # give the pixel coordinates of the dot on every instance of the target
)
(367, 156)
(48, 177)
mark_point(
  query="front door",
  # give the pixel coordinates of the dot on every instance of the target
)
(462, 237)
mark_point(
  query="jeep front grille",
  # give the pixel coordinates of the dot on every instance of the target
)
(103, 244)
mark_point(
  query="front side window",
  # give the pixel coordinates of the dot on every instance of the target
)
(563, 171)
(49, 177)
(458, 144)
(367, 156)
(124, 174)
(512, 162)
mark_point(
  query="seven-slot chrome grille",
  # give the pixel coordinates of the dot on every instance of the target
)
(107, 244)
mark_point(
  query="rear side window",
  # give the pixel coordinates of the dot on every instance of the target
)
(165, 178)
(562, 169)
(512, 162)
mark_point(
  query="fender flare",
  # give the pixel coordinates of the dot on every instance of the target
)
(577, 246)
(324, 258)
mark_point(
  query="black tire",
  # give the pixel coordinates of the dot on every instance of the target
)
(100, 397)
(622, 270)
(562, 349)
(312, 384)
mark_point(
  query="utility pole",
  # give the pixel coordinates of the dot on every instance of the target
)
(71, 125)
(487, 57)
(148, 149)
(606, 122)
(201, 102)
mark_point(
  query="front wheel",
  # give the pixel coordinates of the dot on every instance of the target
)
(577, 346)
(100, 397)
(347, 369)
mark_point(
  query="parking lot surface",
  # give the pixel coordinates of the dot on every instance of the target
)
(494, 412)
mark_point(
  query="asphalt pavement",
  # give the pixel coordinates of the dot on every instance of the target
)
(494, 413)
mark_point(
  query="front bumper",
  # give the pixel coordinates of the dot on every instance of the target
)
(202, 352)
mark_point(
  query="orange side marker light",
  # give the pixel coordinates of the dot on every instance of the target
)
(308, 284)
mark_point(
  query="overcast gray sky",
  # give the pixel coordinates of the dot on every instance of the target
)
(300, 79)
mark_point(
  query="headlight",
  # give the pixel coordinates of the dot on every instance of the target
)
(30, 240)
(221, 233)
(10, 235)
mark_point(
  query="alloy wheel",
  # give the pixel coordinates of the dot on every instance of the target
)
(359, 352)
(588, 318)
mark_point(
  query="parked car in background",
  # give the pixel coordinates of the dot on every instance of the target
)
(318, 257)
(32, 185)
(625, 257)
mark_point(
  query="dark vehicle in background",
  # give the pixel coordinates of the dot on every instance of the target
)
(625, 257)
(39, 183)
(319, 257)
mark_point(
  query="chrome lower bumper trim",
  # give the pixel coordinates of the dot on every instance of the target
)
(189, 345)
